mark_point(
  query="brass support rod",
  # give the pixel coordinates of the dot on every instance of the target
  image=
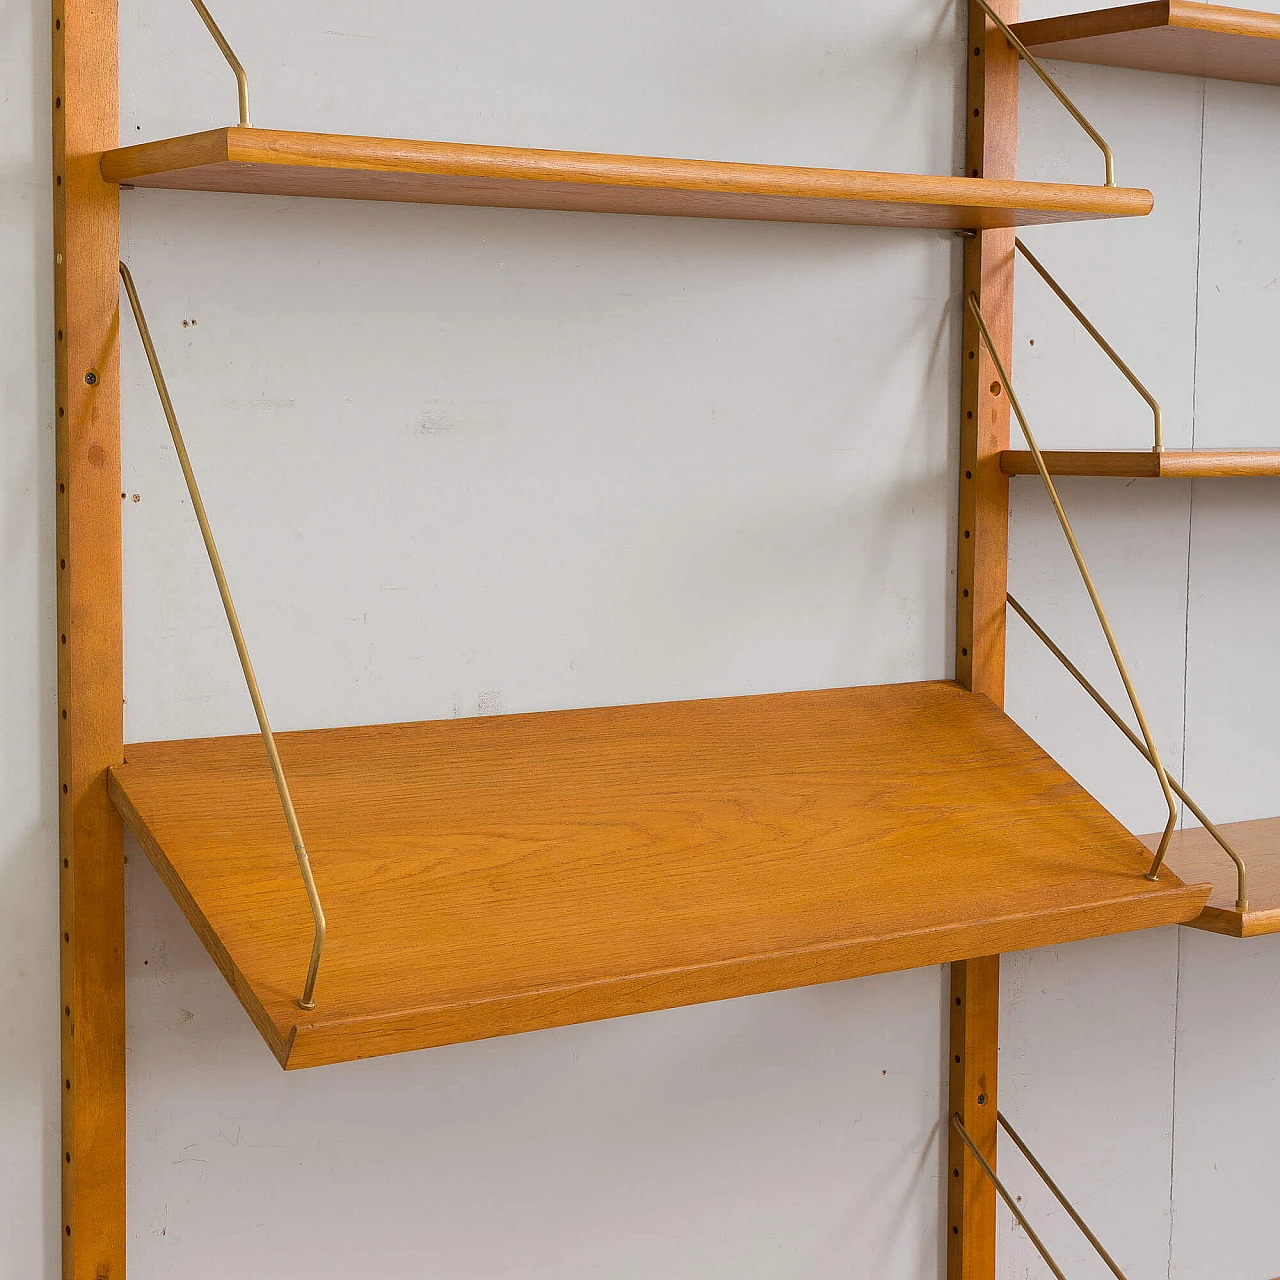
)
(1034, 63)
(242, 80)
(1061, 1199)
(215, 561)
(1087, 578)
(1066, 300)
(1242, 882)
(1007, 1198)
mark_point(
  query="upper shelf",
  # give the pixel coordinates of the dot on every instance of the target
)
(1170, 35)
(488, 876)
(1143, 464)
(1193, 852)
(273, 162)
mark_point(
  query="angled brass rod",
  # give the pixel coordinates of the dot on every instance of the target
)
(1007, 1198)
(1242, 881)
(1066, 300)
(1034, 63)
(1087, 578)
(308, 1000)
(242, 80)
(1061, 1199)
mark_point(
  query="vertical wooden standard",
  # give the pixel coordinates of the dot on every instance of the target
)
(86, 221)
(981, 564)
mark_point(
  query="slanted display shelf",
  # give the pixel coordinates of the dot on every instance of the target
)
(502, 874)
(1171, 464)
(1195, 854)
(274, 162)
(1170, 35)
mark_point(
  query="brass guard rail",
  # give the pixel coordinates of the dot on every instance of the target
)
(1034, 63)
(1048, 1182)
(242, 80)
(1242, 880)
(1087, 578)
(1067, 302)
(308, 1000)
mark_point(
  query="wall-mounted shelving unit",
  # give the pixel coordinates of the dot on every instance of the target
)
(498, 875)
(1178, 36)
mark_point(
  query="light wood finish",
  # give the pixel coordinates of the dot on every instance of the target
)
(982, 548)
(88, 640)
(1171, 35)
(506, 873)
(1172, 464)
(974, 1043)
(1196, 853)
(314, 164)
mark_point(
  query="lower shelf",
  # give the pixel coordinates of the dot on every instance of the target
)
(1195, 854)
(502, 874)
(1172, 464)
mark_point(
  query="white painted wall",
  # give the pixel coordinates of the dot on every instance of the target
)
(472, 460)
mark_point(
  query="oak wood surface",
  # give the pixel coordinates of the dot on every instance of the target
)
(1171, 35)
(89, 715)
(312, 164)
(1172, 464)
(982, 551)
(506, 873)
(1194, 852)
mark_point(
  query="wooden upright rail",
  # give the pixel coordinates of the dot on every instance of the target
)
(981, 562)
(86, 221)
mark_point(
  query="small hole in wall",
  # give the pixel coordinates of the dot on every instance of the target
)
(66, 937)
(995, 388)
(964, 653)
(966, 593)
(62, 488)
(66, 1009)
(68, 1231)
(955, 1231)
(975, 173)
(68, 1157)
(62, 564)
(955, 1173)
(64, 713)
(968, 475)
(59, 335)
(59, 183)
(957, 1000)
(966, 533)
(61, 411)
(64, 639)
(65, 863)
(67, 1083)
(64, 788)
(57, 102)
(957, 1057)
(969, 414)
(57, 24)
(976, 112)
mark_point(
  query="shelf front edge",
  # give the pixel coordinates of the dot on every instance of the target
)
(324, 1043)
(1172, 464)
(266, 161)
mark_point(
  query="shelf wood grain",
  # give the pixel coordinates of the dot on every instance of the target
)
(1171, 35)
(1194, 852)
(1143, 464)
(502, 874)
(269, 161)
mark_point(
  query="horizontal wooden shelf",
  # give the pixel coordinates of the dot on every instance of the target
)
(1171, 35)
(1172, 464)
(1195, 853)
(269, 161)
(502, 874)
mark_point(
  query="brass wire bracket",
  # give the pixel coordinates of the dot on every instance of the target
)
(1048, 1182)
(308, 1000)
(1087, 578)
(1242, 881)
(242, 80)
(1034, 63)
(1066, 300)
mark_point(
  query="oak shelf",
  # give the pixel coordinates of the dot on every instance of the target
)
(274, 162)
(1170, 35)
(1194, 853)
(1172, 464)
(502, 874)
